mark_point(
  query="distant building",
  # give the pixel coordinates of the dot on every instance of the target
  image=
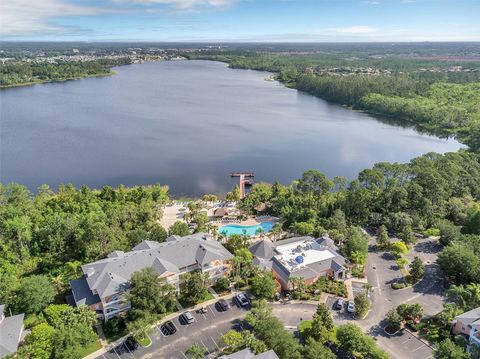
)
(105, 282)
(11, 329)
(304, 257)
(468, 324)
(247, 354)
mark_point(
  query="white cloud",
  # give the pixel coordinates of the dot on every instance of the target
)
(373, 2)
(184, 4)
(26, 17)
(20, 17)
(356, 30)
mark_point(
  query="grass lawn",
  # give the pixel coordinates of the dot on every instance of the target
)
(304, 328)
(32, 319)
(90, 348)
(111, 337)
(187, 304)
(145, 341)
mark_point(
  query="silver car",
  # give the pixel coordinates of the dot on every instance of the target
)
(351, 306)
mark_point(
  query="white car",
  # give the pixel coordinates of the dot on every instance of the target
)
(351, 306)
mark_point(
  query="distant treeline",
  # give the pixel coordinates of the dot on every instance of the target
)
(423, 93)
(18, 74)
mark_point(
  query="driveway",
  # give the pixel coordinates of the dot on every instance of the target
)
(429, 292)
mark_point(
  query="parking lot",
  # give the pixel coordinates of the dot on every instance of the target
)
(206, 330)
(410, 344)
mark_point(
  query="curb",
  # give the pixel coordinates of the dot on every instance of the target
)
(171, 316)
(419, 338)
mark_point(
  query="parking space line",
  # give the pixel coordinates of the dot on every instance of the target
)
(116, 353)
(213, 340)
(184, 355)
(125, 345)
(212, 311)
(204, 345)
(420, 347)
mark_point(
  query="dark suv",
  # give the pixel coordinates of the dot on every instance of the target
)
(223, 305)
(131, 344)
(168, 328)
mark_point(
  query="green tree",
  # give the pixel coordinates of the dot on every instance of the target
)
(472, 225)
(352, 339)
(449, 350)
(34, 294)
(356, 245)
(322, 324)
(236, 242)
(196, 351)
(394, 320)
(234, 195)
(233, 340)
(157, 233)
(448, 233)
(150, 294)
(140, 327)
(263, 286)
(179, 228)
(195, 287)
(304, 228)
(222, 284)
(271, 331)
(38, 344)
(69, 340)
(417, 269)
(399, 249)
(316, 350)
(383, 241)
(460, 263)
(362, 304)
(201, 220)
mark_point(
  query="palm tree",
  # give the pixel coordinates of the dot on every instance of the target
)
(196, 351)
(276, 230)
(368, 288)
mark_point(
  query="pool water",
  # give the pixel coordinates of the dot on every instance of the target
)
(230, 229)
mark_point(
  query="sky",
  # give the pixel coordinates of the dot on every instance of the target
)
(240, 20)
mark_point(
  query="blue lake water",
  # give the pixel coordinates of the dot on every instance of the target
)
(188, 124)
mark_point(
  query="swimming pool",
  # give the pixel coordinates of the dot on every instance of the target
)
(230, 229)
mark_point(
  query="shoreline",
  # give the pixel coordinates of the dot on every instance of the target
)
(39, 82)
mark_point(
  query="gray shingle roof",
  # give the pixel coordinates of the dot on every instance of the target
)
(10, 332)
(263, 249)
(112, 274)
(82, 294)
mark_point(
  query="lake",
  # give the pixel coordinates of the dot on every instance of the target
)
(188, 124)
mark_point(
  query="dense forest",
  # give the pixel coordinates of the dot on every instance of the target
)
(435, 96)
(24, 73)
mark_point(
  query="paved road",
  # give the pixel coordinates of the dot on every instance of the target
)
(381, 271)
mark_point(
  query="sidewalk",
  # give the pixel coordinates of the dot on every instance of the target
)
(108, 347)
(348, 285)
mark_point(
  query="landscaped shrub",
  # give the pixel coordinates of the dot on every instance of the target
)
(398, 285)
(432, 232)
(222, 285)
(114, 328)
(328, 285)
(358, 272)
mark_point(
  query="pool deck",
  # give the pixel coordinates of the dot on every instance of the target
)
(248, 222)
